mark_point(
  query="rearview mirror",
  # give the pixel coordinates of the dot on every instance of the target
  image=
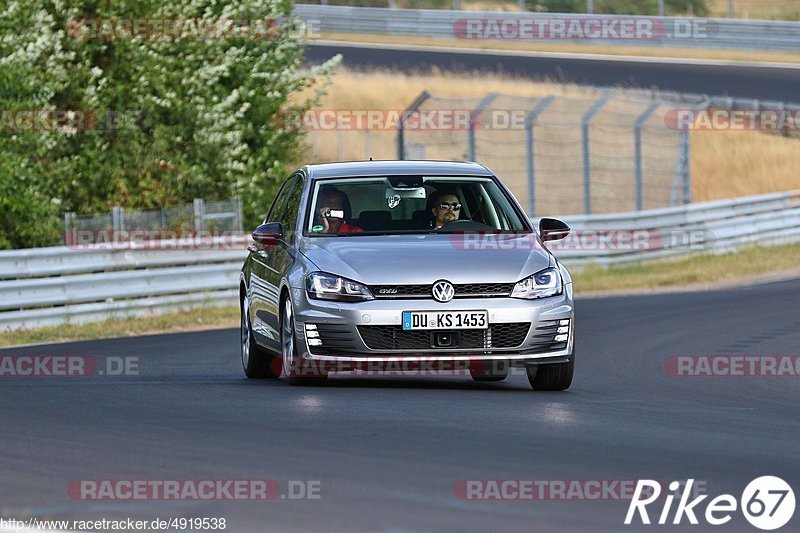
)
(267, 234)
(552, 229)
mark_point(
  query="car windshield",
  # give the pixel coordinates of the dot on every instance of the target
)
(408, 205)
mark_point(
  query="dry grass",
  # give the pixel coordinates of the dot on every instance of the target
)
(490, 5)
(756, 9)
(575, 48)
(729, 164)
(194, 320)
(725, 164)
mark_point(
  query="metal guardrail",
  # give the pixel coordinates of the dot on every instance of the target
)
(87, 283)
(718, 226)
(684, 32)
(51, 286)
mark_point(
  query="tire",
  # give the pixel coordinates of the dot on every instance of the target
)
(552, 377)
(256, 362)
(298, 371)
(488, 371)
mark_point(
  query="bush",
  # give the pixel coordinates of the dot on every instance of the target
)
(166, 120)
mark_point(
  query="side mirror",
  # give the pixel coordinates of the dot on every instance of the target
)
(266, 235)
(551, 229)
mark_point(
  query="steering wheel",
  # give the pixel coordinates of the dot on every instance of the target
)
(466, 225)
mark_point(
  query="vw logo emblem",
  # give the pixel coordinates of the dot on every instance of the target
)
(443, 291)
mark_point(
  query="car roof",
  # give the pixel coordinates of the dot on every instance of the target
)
(356, 169)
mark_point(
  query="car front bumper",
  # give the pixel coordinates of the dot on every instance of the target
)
(348, 318)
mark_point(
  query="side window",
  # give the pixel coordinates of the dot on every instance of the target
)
(288, 218)
(280, 200)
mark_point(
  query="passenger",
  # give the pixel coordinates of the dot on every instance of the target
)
(330, 201)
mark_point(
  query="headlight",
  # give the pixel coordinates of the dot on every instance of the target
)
(540, 285)
(323, 286)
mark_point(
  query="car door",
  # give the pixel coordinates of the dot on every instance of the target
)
(267, 267)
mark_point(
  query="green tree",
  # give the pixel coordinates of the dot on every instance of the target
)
(156, 120)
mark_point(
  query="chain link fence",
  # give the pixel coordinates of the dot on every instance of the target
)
(198, 218)
(603, 153)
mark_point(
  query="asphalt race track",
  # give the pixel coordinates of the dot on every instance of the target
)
(764, 83)
(388, 451)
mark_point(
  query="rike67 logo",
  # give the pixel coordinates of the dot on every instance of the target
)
(767, 503)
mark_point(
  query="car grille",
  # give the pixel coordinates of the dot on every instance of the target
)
(382, 338)
(544, 336)
(464, 290)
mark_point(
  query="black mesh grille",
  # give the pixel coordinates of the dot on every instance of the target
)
(424, 291)
(335, 337)
(395, 338)
(544, 337)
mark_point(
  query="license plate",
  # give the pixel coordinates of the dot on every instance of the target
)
(413, 320)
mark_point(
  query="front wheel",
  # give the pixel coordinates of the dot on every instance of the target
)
(298, 370)
(552, 377)
(257, 363)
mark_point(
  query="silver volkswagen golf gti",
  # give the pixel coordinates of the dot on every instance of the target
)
(418, 263)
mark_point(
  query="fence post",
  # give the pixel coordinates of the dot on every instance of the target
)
(637, 140)
(70, 231)
(530, 159)
(587, 170)
(239, 217)
(401, 137)
(473, 119)
(687, 167)
(117, 219)
(199, 216)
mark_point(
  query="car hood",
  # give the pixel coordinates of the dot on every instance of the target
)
(423, 259)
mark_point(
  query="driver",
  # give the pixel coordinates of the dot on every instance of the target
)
(446, 208)
(333, 200)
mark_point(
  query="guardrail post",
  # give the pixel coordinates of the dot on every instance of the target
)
(401, 137)
(473, 119)
(587, 166)
(637, 140)
(530, 159)
(199, 216)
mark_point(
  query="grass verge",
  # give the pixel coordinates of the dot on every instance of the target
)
(191, 320)
(693, 273)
